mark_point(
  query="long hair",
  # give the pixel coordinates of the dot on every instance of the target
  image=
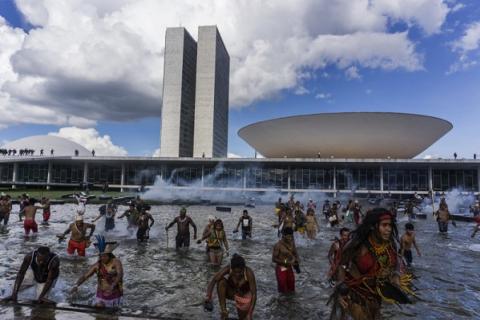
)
(359, 236)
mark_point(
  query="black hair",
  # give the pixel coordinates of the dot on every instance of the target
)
(237, 261)
(43, 250)
(245, 211)
(359, 236)
(32, 201)
(344, 230)
(310, 210)
(287, 231)
(409, 226)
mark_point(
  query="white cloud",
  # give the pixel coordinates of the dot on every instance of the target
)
(156, 153)
(233, 155)
(352, 73)
(91, 140)
(457, 7)
(323, 95)
(96, 60)
(467, 47)
(301, 90)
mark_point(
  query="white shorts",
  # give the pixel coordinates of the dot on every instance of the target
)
(30, 281)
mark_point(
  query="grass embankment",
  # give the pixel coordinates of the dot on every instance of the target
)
(57, 194)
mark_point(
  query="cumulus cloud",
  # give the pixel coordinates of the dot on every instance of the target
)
(91, 140)
(467, 48)
(95, 60)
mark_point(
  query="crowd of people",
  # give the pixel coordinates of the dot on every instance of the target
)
(370, 262)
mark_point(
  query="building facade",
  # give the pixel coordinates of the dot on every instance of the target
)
(333, 176)
(178, 105)
(211, 95)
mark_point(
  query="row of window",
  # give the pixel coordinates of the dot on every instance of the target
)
(238, 177)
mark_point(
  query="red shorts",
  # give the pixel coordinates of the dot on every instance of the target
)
(30, 225)
(77, 245)
(285, 279)
(46, 215)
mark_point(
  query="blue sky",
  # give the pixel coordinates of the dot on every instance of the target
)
(434, 86)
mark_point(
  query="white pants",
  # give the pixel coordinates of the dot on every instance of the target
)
(29, 281)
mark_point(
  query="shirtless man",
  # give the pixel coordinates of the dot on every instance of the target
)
(24, 201)
(477, 227)
(234, 282)
(334, 254)
(182, 240)
(406, 242)
(79, 240)
(132, 215)
(46, 210)
(30, 210)
(288, 220)
(207, 230)
(41, 268)
(443, 216)
(143, 231)
(5, 209)
(285, 257)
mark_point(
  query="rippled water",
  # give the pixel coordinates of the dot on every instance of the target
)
(160, 282)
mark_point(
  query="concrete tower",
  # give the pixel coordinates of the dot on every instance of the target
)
(178, 107)
(211, 95)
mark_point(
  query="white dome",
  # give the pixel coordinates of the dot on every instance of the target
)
(61, 146)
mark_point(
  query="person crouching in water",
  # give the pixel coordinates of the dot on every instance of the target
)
(246, 222)
(234, 282)
(143, 231)
(109, 272)
(406, 242)
(285, 257)
(368, 272)
(311, 224)
(43, 267)
(216, 240)
(79, 240)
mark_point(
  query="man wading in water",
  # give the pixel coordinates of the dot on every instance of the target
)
(234, 282)
(443, 216)
(143, 231)
(246, 222)
(406, 242)
(132, 215)
(79, 240)
(46, 210)
(109, 210)
(44, 270)
(286, 257)
(29, 223)
(109, 272)
(5, 210)
(182, 240)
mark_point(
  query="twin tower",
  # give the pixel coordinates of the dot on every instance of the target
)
(195, 94)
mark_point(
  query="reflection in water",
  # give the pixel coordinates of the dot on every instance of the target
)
(160, 282)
